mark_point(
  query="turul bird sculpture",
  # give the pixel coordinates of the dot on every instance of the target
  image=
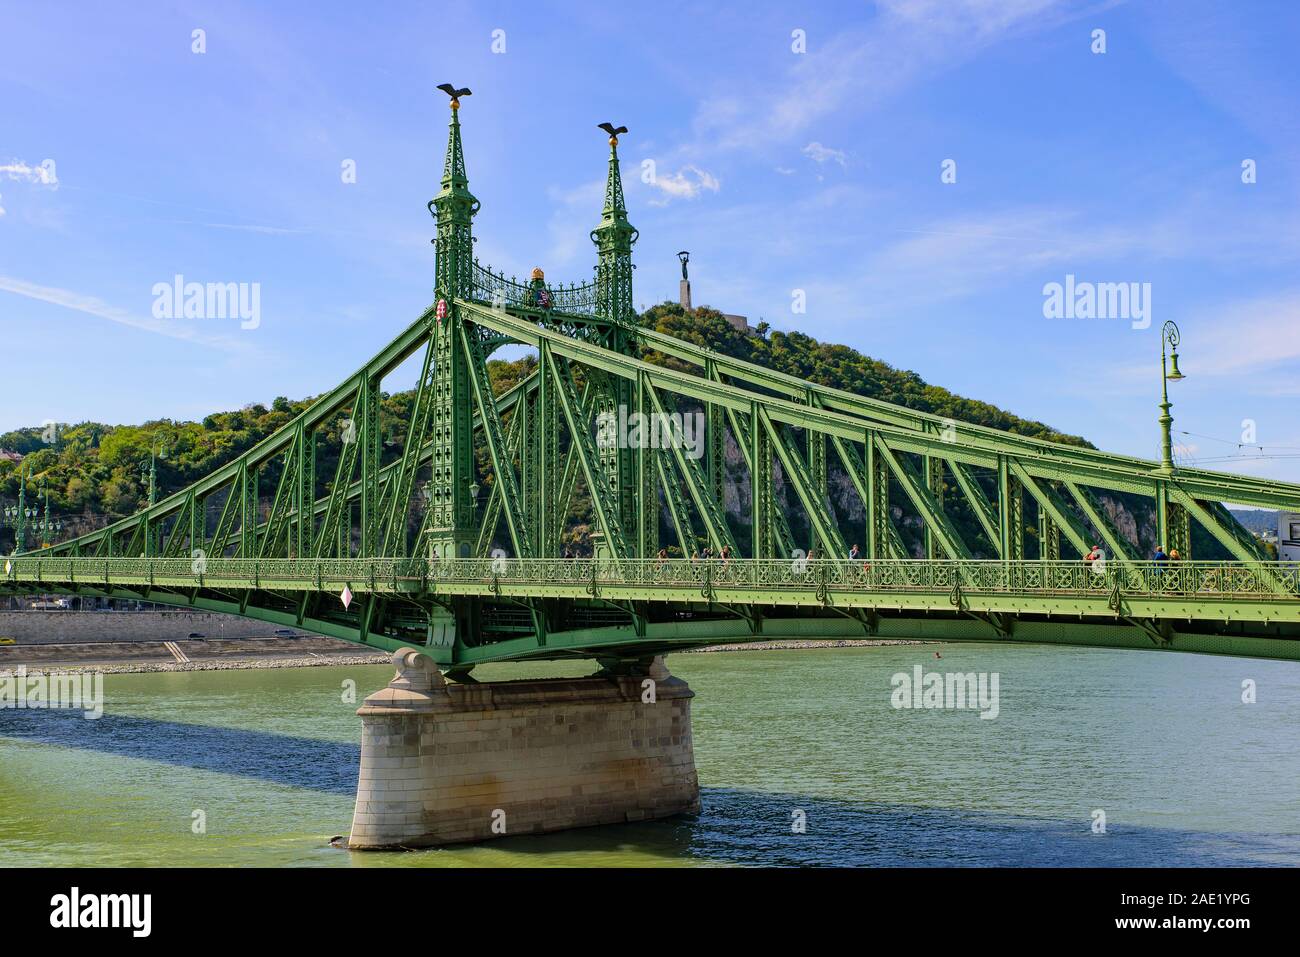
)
(613, 132)
(454, 93)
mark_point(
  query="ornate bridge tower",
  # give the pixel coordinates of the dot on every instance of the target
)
(452, 529)
(614, 238)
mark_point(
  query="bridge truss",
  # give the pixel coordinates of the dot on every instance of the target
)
(453, 539)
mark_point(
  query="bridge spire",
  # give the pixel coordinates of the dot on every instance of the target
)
(614, 237)
(453, 209)
(451, 522)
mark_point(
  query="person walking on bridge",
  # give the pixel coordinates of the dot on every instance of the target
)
(1161, 559)
(1090, 560)
(854, 554)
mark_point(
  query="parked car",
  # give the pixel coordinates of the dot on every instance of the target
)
(195, 634)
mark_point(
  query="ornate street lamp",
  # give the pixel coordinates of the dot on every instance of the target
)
(1168, 338)
(16, 516)
(44, 524)
(154, 458)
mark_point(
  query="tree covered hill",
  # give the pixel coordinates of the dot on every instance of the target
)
(835, 366)
(95, 473)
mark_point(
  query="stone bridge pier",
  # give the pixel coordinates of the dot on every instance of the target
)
(453, 763)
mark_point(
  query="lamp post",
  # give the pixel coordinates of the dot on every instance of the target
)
(153, 472)
(153, 493)
(17, 515)
(1168, 339)
(46, 525)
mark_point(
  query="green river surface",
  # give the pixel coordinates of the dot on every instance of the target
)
(1186, 773)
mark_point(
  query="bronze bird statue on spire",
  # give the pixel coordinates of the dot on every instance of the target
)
(454, 93)
(613, 133)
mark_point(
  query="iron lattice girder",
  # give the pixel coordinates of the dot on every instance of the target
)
(979, 503)
(583, 446)
(502, 467)
(1044, 465)
(1119, 548)
(1070, 461)
(711, 511)
(228, 475)
(730, 396)
(923, 498)
(806, 488)
(1047, 468)
(310, 419)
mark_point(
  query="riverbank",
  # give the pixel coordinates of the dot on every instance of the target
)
(131, 657)
(71, 627)
(798, 644)
(147, 657)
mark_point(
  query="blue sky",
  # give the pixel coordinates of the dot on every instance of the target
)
(780, 171)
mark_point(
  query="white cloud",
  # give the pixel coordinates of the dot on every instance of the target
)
(819, 154)
(687, 183)
(97, 307)
(2, 209)
(43, 174)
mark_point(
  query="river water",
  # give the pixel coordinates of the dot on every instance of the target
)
(1184, 771)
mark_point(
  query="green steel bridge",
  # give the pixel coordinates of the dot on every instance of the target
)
(451, 541)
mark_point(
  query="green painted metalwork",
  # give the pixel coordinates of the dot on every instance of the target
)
(267, 537)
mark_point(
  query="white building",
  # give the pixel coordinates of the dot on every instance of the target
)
(1288, 536)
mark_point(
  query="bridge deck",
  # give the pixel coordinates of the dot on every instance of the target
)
(1205, 590)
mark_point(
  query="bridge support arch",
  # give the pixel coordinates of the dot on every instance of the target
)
(455, 763)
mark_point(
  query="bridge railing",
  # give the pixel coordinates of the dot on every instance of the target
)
(1033, 577)
(1185, 579)
(491, 288)
(235, 572)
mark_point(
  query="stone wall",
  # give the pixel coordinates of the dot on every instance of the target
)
(445, 764)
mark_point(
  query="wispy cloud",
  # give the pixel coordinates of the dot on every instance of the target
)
(1245, 348)
(1249, 338)
(820, 154)
(909, 39)
(245, 227)
(92, 306)
(43, 174)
